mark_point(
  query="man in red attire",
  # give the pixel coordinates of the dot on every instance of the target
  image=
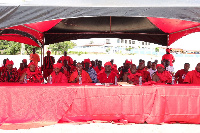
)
(169, 56)
(22, 69)
(57, 75)
(124, 70)
(3, 68)
(193, 77)
(180, 74)
(99, 67)
(34, 57)
(80, 73)
(106, 75)
(10, 74)
(67, 58)
(24, 61)
(145, 74)
(162, 76)
(48, 65)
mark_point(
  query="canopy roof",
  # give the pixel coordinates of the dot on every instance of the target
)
(32, 23)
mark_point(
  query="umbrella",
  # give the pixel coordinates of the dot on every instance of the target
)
(161, 31)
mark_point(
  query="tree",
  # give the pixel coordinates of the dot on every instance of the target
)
(62, 46)
(11, 48)
(29, 49)
(156, 49)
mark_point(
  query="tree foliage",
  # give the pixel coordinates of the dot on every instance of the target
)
(62, 46)
(29, 49)
(10, 47)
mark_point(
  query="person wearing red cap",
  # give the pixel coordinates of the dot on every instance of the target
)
(90, 70)
(34, 57)
(68, 59)
(132, 76)
(57, 75)
(74, 78)
(162, 76)
(32, 74)
(125, 69)
(48, 65)
(106, 75)
(145, 74)
(181, 74)
(99, 67)
(169, 56)
(24, 61)
(10, 74)
(193, 77)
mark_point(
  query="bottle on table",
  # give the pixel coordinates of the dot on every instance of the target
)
(50, 79)
(115, 80)
(140, 80)
(173, 80)
(25, 79)
(80, 79)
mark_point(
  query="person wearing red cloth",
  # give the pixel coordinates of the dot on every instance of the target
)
(48, 64)
(67, 58)
(3, 68)
(57, 75)
(34, 57)
(99, 67)
(169, 56)
(32, 74)
(24, 61)
(22, 69)
(132, 77)
(90, 70)
(124, 70)
(74, 78)
(145, 74)
(10, 74)
(106, 75)
(73, 67)
(180, 74)
(162, 76)
(193, 77)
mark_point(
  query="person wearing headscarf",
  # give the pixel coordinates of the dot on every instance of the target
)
(193, 77)
(32, 74)
(74, 78)
(10, 74)
(90, 70)
(107, 75)
(169, 56)
(48, 64)
(162, 76)
(57, 75)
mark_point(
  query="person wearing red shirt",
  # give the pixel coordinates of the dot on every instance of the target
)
(193, 77)
(180, 74)
(145, 74)
(99, 67)
(67, 58)
(132, 77)
(162, 76)
(10, 74)
(34, 57)
(48, 64)
(106, 75)
(169, 57)
(22, 69)
(57, 75)
(74, 78)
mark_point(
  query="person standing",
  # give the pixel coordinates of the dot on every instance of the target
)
(34, 57)
(48, 65)
(68, 59)
(181, 74)
(169, 57)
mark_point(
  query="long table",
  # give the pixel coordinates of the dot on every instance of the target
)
(153, 104)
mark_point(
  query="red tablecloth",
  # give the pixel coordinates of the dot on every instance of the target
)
(72, 102)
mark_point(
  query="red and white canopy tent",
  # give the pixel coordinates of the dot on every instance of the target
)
(49, 22)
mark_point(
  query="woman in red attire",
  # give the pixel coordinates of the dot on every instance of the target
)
(74, 78)
(32, 74)
(106, 75)
(132, 76)
(162, 76)
(57, 75)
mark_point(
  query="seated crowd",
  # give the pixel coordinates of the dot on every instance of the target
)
(68, 71)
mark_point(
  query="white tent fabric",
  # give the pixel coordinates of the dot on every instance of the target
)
(12, 14)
